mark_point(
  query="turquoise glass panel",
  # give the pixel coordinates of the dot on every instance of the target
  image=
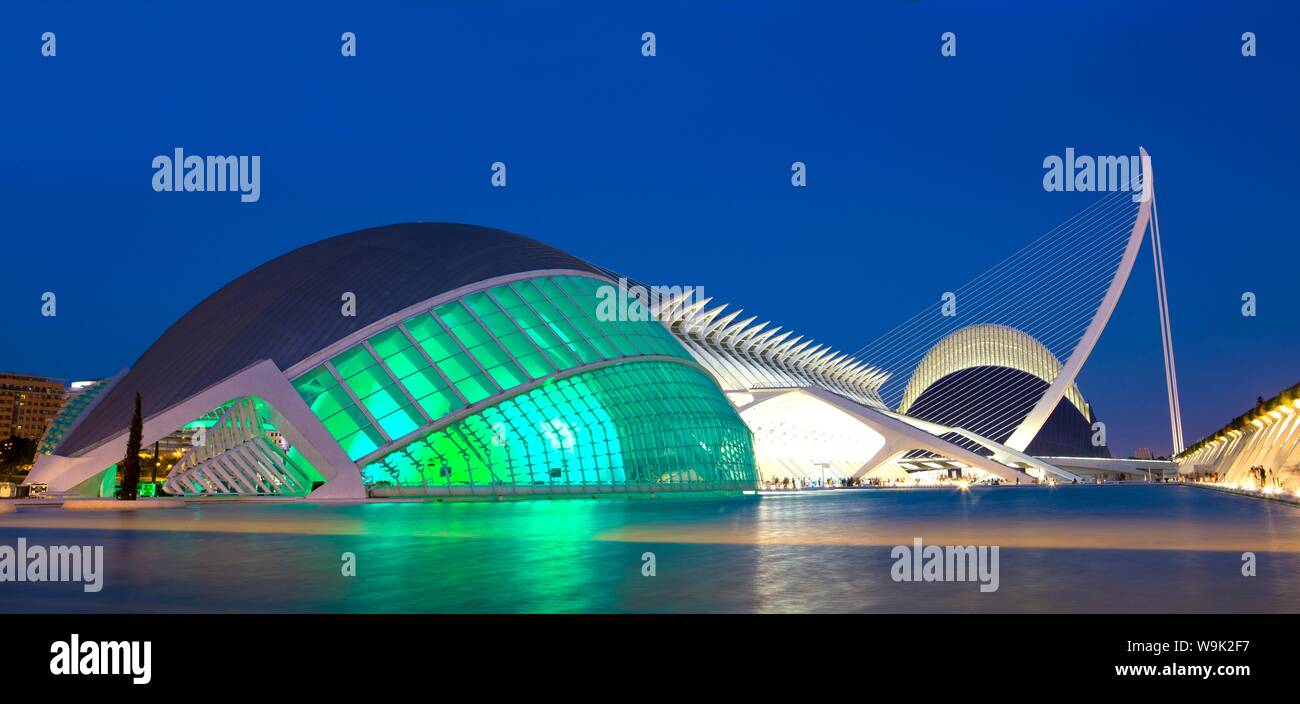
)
(494, 341)
(606, 427)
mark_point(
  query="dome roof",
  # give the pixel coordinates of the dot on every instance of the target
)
(993, 401)
(289, 308)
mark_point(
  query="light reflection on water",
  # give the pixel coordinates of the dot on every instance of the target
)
(1089, 549)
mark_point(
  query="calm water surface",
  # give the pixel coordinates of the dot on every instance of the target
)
(1087, 548)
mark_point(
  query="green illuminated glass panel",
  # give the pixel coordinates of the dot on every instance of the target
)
(346, 422)
(314, 383)
(367, 381)
(331, 402)
(389, 343)
(440, 346)
(467, 350)
(458, 366)
(383, 402)
(352, 361)
(406, 362)
(508, 299)
(589, 346)
(422, 327)
(440, 403)
(475, 388)
(401, 421)
(641, 425)
(489, 354)
(423, 383)
(454, 314)
(490, 314)
(362, 442)
(535, 364)
(625, 321)
(507, 376)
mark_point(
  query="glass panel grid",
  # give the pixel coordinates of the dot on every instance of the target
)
(480, 344)
(648, 424)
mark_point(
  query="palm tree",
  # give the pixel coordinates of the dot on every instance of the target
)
(131, 464)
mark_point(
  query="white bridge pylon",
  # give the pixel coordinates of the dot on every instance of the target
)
(1033, 422)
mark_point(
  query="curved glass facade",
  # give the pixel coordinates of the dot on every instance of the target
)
(465, 351)
(641, 421)
(634, 426)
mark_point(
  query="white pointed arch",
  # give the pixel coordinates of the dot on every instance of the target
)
(1033, 422)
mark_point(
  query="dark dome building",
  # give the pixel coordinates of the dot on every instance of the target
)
(986, 379)
(422, 358)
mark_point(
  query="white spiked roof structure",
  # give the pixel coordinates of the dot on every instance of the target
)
(745, 355)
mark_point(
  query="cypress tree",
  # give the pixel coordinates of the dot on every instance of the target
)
(131, 464)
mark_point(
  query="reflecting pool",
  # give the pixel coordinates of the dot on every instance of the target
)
(1159, 548)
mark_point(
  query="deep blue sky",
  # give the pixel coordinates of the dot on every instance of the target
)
(923, 171)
